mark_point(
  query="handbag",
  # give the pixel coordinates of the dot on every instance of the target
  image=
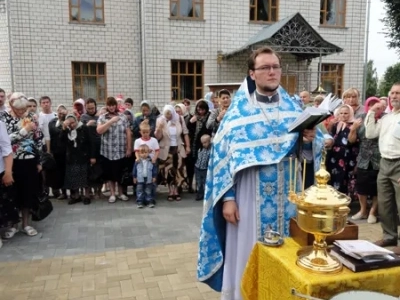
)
(43, 209)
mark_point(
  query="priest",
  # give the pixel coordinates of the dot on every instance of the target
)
(248, 175)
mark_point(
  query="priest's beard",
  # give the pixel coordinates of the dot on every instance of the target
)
(268, 89)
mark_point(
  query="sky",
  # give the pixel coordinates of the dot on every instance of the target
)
(382, 56)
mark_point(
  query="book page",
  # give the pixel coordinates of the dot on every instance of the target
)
(362, 248)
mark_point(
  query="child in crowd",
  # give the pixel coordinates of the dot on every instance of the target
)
(144, 176)
(145, 139)
(201, 165)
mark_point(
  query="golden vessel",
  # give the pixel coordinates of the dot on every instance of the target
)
(321, 211)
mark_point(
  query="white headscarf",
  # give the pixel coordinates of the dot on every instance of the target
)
(72, 135)
(182, 107)
(171, 109)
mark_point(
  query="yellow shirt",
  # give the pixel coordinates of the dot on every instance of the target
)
(388, 131)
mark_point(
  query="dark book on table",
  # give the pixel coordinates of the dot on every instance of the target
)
(312, 116)
(359, 265)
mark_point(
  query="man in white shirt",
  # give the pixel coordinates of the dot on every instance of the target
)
(388, 131)
(45, 116)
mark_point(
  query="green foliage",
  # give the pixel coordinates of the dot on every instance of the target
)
(392, 23)
(392, 75)
(372, 80)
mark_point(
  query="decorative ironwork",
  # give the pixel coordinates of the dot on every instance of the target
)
(295, 36)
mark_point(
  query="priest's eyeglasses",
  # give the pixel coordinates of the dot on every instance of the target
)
(268, 68)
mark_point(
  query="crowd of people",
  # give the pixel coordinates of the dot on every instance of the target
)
(78, 154)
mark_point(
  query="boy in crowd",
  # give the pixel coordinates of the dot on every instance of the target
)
(144, 176)
(146, 139)
(201, 165)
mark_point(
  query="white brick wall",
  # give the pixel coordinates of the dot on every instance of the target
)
(45, 43)
(5, 78)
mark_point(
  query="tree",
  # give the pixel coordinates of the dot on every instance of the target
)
(392, 75)
(372, 80)
(392, 23)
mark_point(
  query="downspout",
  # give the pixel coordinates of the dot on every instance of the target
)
(143, 48)
(364, 90)
(11, 61)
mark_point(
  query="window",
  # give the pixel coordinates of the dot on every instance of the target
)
(86, 11)
(333, 13)
(192, 9)
(332, 78)
(89, 80)
(264, 10)
(187, 80)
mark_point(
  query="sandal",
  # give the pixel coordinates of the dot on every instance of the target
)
(171, 198)
(30, 231)
(9, 233)
(178, 197)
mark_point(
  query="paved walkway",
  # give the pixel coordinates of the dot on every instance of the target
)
(112, 251)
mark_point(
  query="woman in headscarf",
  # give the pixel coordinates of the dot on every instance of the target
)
(146, 114)
(172, 134)
(367, 164)
(80, 152)
(55, 178)
(79, 108)
(341, 159)
(26, 141)
(197, 128)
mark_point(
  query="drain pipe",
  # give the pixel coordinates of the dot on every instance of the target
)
(11, 61)
(143, 48)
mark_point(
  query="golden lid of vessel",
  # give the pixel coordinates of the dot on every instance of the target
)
(320, 194)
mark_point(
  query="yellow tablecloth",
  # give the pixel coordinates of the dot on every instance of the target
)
(271, 273)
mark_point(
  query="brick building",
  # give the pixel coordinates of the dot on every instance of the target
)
(163, 49)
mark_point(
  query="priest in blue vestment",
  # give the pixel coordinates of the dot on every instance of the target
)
(248, 175)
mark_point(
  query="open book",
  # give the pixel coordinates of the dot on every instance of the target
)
(363, 250)
(312, 116)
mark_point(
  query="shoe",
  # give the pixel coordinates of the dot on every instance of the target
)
(151, 205)
(386, 243)
(140, 205)
(199, 198)
(62, 197)
(112, 199)
(86, 201)
(359, 216)
(74, 200)
(372, 219)
(123, 197)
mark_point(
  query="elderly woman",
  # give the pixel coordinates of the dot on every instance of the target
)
(26, 140)
(80, 151)
(116, 144)
(173, 139)
(367, 164)
(8, 208)
(55, 178)
(341, 159)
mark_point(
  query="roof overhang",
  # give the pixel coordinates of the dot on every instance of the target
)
(292, 35)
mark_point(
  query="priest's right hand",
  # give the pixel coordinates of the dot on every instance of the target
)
(230, 212)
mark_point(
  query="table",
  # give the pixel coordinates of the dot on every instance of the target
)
(271, 273)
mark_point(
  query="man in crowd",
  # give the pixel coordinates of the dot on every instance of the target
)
(388, 131)
(248, 175)
(305, 98)
(45, 116)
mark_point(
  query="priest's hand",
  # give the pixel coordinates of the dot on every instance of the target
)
(230, 212)
(309, 134)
